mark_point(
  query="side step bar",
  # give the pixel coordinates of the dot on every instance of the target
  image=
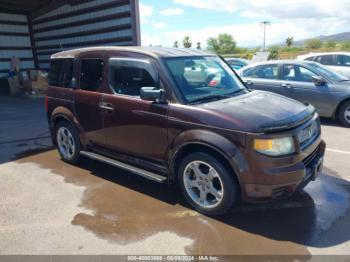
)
(116, 163)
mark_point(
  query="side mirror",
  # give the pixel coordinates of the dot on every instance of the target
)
(319, 81)
(152, 94)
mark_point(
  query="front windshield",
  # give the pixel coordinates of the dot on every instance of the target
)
(332, 75)
(203, 77)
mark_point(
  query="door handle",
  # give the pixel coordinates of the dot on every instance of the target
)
(287, 85)
(106, 106)
(249, 82)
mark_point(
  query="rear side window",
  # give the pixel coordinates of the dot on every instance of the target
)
(343, 60)
(91, 74)
(61, 72)
(262, 71)
(128, 76)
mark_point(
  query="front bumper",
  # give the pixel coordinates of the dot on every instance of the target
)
(284, 181)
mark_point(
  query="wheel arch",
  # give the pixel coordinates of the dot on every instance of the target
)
(343, 101)
(192, 141)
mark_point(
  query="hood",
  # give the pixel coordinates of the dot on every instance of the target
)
(258, 111)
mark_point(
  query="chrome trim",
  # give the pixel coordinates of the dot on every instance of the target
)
(133, 169)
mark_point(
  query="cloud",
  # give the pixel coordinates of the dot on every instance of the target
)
(159, 25)
(284, 9)
(250, 34)
(172, 11)
(145, 12)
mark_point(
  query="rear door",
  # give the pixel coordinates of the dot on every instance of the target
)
(298, 84)
(91, 80)
(343, 65)
(263, 77)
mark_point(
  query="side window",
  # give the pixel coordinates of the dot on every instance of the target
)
(91, 74)
(67, 73)
(343, 60)
(128, 76)
(312, 58)
(61, 72)
(289, 73)
(262, 71)
(326, 60)
(56, 66)
(305, 75)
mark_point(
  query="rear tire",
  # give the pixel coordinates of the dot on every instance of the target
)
(344, 114)
(68, 144)
(208, 186)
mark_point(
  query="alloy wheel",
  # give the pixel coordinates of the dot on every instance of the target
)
(65, 142)
(203, 184)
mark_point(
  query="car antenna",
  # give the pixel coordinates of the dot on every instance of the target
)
(61, 45)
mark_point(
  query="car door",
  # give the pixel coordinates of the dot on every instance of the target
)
(298, 84)
(88, 96)
(343, 65)
(263, 77)
(134, 128)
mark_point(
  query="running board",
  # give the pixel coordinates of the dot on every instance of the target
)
(116, 163)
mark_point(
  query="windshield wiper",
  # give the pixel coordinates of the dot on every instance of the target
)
(209, 98)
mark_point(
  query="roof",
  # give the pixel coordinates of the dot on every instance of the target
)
(157, 52)
(22, 6)
(281, 62)
(324, 53)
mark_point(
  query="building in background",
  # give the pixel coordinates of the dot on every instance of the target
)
(33, 30)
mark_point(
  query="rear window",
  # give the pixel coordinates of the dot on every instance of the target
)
(61, 72)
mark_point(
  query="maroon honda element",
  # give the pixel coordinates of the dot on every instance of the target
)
(182, 116)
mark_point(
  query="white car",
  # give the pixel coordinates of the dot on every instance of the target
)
(338, 61)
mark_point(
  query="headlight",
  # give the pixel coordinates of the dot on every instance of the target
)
(275, 147)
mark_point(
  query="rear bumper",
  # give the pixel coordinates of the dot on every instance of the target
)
(299, 175)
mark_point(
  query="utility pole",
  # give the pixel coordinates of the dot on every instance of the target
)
(263, 24)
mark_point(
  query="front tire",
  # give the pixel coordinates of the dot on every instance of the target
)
(68, 144)
(208, 186)
(344, 114)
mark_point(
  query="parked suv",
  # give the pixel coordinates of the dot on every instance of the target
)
(133, 108)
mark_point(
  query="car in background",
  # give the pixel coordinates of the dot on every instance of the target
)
(237, 63)
(338, 61)
(306, 81)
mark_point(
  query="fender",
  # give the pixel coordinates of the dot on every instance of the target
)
(214, 141)
(63, 112)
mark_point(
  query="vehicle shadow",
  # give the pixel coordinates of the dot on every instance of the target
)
(330, 122)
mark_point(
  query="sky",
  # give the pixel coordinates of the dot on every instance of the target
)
(165, 21)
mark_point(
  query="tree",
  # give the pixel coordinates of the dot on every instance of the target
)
(199, 45)
(223, 44)
(176, 44)
(345, 46)
(289, 41)
(330, 44)
(274, 51)
(313, 43)
(187, 43)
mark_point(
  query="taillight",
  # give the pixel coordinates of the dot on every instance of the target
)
(46, 104)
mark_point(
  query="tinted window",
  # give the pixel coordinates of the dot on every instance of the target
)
(343, 60)
(326, 60)
(297, 73)
(91, 74)
(262, 71)
(127, 77)
(61, 72)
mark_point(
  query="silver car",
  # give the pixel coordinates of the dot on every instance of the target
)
(338, 61)
(306, 81)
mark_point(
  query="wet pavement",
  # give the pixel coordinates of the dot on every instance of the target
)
(50, 207)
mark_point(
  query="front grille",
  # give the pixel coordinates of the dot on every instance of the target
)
(280, 192)
(310, 159)
(309, 134)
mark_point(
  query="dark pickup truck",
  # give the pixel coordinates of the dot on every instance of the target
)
(182, 116)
